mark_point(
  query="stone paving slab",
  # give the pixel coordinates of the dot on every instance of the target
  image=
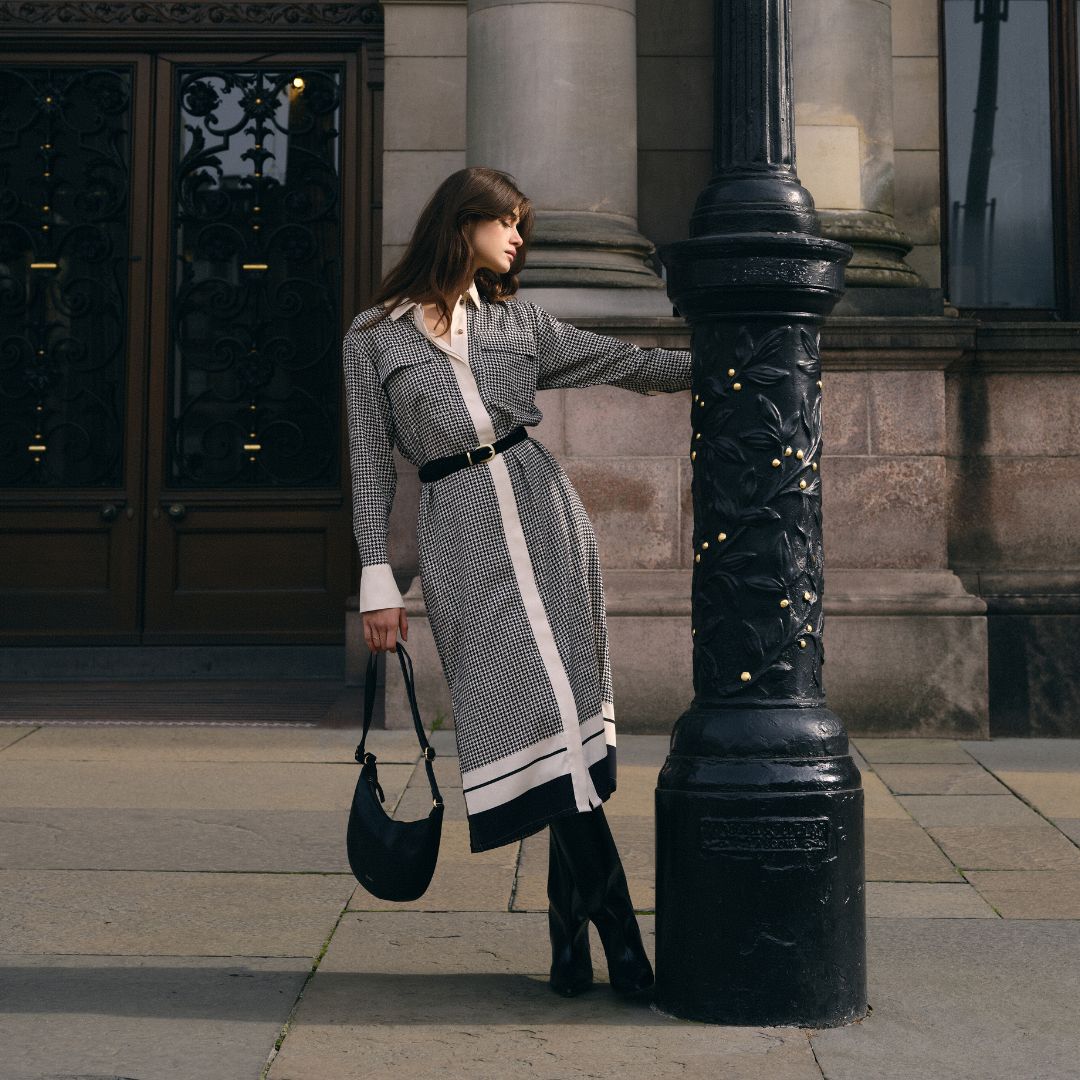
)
(969, 779)
(860, 762)
(931, 810)
(126, 913)
(1030, 894)
(901, 851)
(466, 996)
(444, 741)
(415, 801)
(915, 751)
(135, 839)
(1055, 794)
(1030, 755)
(165, 1018)
(1070, 827)
(635, 792)
(447, 774)
(959, 999)
(528, 1035)
(1007, 847)
(187, 785)
(879, 802)
(182, 742)
(12, 733)
(647, 750)
(924, 900)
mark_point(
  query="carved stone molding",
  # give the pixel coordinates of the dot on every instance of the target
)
(93, 19)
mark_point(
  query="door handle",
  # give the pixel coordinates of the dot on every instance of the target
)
(110, 512)
(177, 511)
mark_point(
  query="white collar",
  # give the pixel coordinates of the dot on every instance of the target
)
(406, 303)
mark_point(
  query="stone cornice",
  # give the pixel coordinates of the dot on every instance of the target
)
(133, 22)
(1025, 347)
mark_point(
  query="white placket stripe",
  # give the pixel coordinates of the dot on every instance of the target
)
(585, 795)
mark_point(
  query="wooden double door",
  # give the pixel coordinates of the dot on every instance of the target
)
(181, 249)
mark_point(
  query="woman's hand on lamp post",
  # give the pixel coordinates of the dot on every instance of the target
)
(382, 626)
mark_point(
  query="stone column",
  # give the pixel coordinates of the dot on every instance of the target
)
(844, 128)
(552, 99)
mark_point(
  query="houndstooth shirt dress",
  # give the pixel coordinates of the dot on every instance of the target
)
(508, 559)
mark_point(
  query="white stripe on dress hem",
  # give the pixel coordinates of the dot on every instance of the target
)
(524, 756)
(499, 792)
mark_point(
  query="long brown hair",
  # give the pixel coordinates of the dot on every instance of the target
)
(436, 262)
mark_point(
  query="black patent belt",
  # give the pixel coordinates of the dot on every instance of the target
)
(437, 468)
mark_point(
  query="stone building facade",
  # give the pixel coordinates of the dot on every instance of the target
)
(950, 495)
(938, 138)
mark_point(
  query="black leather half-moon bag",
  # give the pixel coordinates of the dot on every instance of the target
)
(393, 860)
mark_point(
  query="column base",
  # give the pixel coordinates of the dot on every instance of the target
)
(578, 249)
(879, 248)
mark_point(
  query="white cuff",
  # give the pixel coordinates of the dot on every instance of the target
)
(378, 588)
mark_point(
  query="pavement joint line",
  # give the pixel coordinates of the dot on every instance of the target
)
(19, 739)
(284, 1030)
(809, 1032)
(1019, 795)
(517, 876)
(918, 824)
(986, 900)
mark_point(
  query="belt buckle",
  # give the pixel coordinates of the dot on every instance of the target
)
(477, 449)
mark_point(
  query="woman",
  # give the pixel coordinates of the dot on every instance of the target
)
(445, 365)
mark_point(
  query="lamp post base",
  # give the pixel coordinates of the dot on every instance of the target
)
(760, 906)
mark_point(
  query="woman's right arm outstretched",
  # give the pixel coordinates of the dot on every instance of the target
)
(374, 480)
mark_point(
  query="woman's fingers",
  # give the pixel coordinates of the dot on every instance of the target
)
(381, 629)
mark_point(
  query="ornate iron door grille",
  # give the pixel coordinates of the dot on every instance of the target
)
(256, 222)
(65, 157)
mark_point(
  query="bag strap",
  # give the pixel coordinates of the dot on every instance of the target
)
(426, 749)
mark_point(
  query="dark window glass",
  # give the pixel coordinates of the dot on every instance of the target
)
(999, 216)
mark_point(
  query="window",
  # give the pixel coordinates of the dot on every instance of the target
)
(1010, 100)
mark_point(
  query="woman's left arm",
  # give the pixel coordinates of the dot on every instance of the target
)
(570, 356)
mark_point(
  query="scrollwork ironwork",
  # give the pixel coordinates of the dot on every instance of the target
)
(255, 365)
(64, 188)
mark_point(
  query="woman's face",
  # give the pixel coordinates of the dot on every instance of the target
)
(495, 243)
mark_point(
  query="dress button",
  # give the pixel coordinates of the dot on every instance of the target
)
(461, 331)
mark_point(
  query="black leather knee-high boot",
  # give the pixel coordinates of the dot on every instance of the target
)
(589, 851)
(568, 925)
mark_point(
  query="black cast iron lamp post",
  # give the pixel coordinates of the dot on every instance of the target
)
(760, 907)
